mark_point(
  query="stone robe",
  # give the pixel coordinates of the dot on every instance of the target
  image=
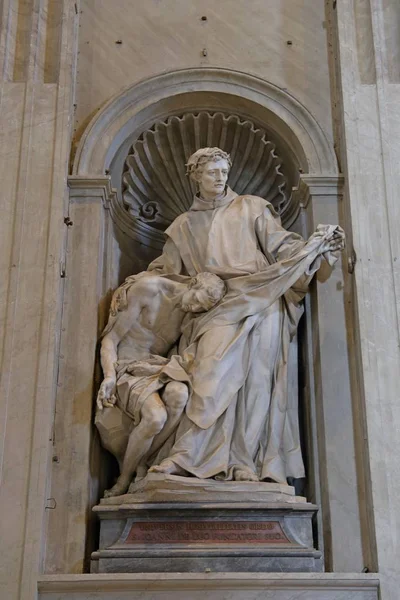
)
(239, 413)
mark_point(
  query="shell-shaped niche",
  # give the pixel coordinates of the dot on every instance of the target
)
(155, 187)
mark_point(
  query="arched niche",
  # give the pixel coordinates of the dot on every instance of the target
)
(96, 263)
(300, 143)
(210, 89)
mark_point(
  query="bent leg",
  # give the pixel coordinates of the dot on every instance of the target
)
(175, 397)
(153, 417)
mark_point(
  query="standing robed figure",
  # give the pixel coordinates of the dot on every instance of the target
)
(239, 422)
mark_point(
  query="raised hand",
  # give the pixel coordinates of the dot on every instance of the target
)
(334, 242)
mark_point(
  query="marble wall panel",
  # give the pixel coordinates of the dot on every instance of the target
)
(13, 107)
(75, 470)
(211, 586)
(23, 16)
(370, 152)
(25, 318)
(391, 35)
(125, 41)
(52, 46)
(364, 41)
(74, 403)
(34, 149)
(333, 391)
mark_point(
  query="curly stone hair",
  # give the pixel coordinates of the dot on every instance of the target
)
(201, 157)
(213, 285)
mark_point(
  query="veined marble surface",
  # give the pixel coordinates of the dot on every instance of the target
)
(209, 586)
(284, 42)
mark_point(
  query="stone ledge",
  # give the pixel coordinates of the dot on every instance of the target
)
(159, 488)
(179, 582)
(128, 507)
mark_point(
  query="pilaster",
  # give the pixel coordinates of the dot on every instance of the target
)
(328, 332)
(37, 60)
(76, 469)
(367, 59)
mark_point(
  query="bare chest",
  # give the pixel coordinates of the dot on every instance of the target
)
(154, 332)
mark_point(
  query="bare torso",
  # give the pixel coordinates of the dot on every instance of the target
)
(154, 316)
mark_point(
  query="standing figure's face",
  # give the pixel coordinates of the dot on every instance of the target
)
(213, 178)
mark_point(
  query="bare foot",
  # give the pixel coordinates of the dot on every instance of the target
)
(168, 467)
(244, 474)
(118, 489)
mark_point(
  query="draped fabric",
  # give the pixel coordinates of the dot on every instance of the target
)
(138, 379)
(236, 354)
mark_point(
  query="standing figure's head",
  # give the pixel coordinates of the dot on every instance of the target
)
(209, 168)
(203, 292)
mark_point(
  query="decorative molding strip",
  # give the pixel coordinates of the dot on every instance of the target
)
(149, 582)
(131, 109)
(313, 185)
(86, 189)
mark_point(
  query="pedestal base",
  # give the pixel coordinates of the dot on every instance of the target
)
(225, 526)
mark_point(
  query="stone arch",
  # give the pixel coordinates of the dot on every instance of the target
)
(106, 141)
(156, 97)
(139, 110)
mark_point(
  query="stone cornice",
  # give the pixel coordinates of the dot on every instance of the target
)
(317, 185)
(88, 189)
(207, 582)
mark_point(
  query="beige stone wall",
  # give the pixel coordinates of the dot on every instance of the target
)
(367, 58)
(282, 41)
(37, 48)
(50, 88)
(120, 44)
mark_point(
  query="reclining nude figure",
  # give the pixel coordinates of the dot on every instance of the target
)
(144, 394)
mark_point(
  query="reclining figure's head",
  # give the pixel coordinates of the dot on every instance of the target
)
(204, 291)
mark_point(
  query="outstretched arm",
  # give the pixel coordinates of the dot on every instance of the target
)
(275, 240)
(279, 244)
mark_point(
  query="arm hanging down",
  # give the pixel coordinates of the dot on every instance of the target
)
(117, 327)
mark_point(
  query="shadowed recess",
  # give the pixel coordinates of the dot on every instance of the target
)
(22, 40)
(53, 41)
(155, 188)
(391, 16)
(365, 42)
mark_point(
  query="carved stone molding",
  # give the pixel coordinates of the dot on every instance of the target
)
(152, 99)
(310, 186)
(152, 115)
(328, 586)
(91, 189)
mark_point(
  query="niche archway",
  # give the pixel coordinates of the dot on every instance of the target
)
(208, 96)
(104, 246)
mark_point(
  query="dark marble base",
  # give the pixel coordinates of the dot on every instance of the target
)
(229, 537)
(220, 564)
